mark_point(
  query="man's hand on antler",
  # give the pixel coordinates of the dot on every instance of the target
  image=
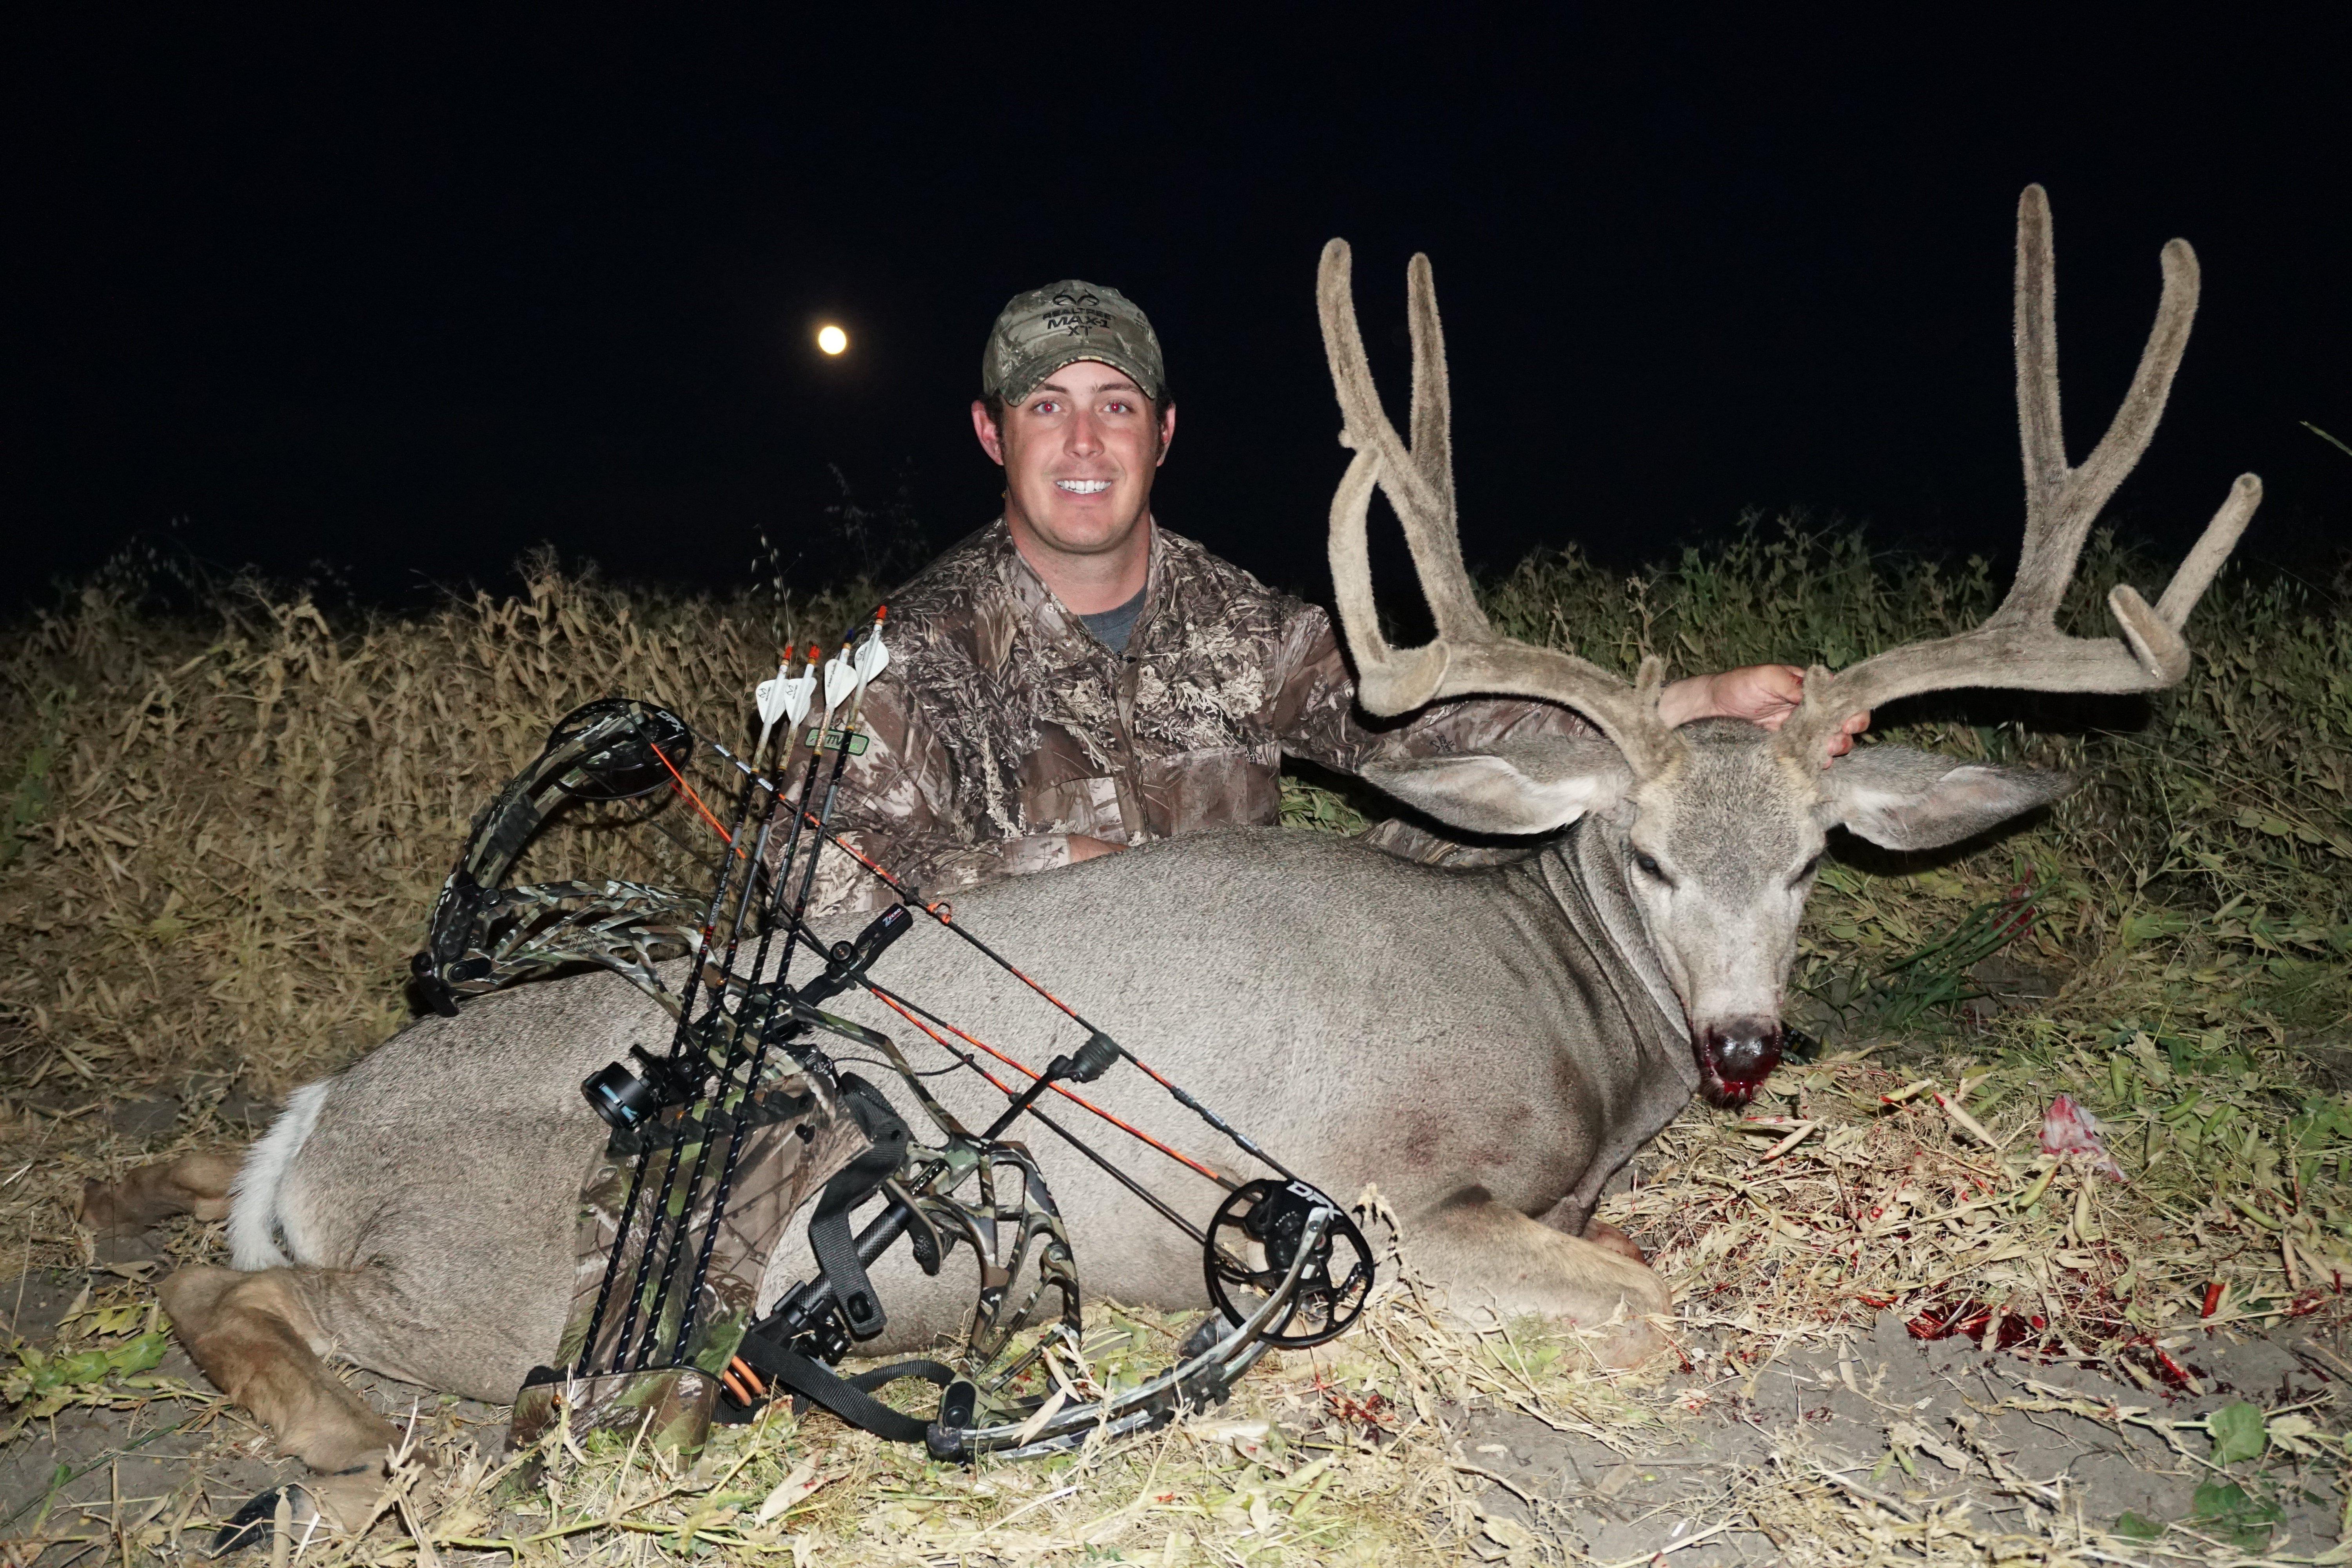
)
(1763, 694)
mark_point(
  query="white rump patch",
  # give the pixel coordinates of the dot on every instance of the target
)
(253, 1221)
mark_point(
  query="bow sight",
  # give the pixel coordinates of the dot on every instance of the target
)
(748, 1120)
(628, 1100)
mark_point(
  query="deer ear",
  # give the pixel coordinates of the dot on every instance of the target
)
(1533, 787)
(1902, 799)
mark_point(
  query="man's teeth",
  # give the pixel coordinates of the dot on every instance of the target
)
(1083, 487)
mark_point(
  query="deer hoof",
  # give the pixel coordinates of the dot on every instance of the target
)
(124, 1207)
(1609, 1239)
(343, 1503)
(192, 1184)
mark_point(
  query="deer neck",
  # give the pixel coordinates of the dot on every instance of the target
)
(1579, 874)
(1583, 873)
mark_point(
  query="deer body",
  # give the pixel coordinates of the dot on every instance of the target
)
(1487, 1045)
(432, 1194)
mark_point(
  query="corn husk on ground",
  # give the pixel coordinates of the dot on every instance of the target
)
(224, 824)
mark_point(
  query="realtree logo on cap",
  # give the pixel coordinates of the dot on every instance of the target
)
(1044, 330)
(1077, 323)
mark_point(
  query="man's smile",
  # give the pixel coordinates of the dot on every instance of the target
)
(1083, 487)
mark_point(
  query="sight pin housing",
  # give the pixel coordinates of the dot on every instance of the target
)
(627, 1101)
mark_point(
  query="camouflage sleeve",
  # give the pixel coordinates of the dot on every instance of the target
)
(898, 804)
(1317, 719)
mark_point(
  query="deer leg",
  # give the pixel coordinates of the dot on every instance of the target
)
(193, 1183)
(1496, 1258)
(257, 1336)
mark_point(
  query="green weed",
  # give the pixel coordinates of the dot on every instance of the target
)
(28, 798)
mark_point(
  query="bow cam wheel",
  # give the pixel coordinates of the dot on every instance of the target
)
(1254, 1240)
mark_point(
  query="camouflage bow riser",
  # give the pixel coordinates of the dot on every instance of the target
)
(797, 1140)
(678, 1220)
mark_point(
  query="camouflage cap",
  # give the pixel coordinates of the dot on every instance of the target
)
(1040, 332)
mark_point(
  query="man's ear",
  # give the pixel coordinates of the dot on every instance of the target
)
(1900, 798)
(991, 440)
(1532, 787)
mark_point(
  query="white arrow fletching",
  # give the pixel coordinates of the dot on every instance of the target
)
(871, 657)
(840, 681)
(794, 695)
(771, 698)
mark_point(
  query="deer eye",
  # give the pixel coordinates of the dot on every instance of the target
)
(1648, 866)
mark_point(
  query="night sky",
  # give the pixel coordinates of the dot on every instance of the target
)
(407, 298)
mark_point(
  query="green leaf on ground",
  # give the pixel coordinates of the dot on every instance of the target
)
(2238, 1433)
(2224, 1508)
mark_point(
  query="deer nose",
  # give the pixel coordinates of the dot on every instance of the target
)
(1737, 1054)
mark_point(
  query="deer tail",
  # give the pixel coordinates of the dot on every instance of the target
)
(256, 1231)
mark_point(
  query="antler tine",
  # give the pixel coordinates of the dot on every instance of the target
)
(2041, 425)
(2019, 646)
(1419, 480)
(1433, 394)
(1466, 657)
(2061, 503)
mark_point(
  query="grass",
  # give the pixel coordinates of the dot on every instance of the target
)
(221, 828)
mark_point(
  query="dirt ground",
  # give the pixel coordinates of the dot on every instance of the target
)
(158, 1481)
(1922, 1438)
(1988, 1439)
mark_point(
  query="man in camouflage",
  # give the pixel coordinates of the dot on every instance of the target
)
(1076, 680)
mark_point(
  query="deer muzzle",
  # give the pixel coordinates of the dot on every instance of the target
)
(1735, 1056)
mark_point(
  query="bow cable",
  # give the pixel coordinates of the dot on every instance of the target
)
(907, 1010)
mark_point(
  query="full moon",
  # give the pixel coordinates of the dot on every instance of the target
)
(831, 340)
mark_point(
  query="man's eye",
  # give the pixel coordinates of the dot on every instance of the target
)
(1117, 408)
(1045, 405)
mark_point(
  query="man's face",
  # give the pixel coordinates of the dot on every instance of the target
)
(1078, 455)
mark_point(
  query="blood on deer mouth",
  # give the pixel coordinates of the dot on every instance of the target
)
(1735, 1060)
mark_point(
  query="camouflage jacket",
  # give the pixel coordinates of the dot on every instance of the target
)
(1002, 726)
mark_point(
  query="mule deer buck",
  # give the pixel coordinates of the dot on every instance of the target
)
(1488, 1044)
